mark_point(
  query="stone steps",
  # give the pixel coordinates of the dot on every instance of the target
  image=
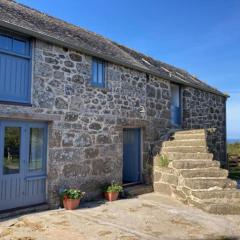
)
(189, 137)
(218, 208)
(185, 149)
(185, 143)
(209, 183)
(193, 177)
(194, 131)
(227, 194)
(179, 156)
(135, 190)
(204, 172)
(194, 164)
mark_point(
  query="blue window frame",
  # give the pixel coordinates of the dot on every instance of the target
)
(15, 68)
(98, 73)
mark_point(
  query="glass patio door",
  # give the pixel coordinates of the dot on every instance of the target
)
(22, 163)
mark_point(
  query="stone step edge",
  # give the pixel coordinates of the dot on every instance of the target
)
(197, 153)
(209, 173)
(184, 140)
(189, 131)
(207, 178)
(194, 160)
(166, 147)
(171, 144)
(215, 208)
(189, 137)
(217, 200)
(200, 132)
(226, 192)
(209, 189)
(211, 178)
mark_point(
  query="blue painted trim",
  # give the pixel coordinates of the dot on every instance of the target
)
(132, 155)
(15, 54)
(101, 63)
(34, 177)
(25, 138)
(9, 96)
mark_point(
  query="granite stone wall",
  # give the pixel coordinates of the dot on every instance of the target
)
(206, 110)
(85, 146)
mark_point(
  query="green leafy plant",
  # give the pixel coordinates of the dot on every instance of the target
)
(72, 193)
(114, 187)
(162, 160)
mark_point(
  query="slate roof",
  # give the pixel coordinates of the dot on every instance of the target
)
(21, 18)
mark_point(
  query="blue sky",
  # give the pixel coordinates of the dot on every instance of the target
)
(202, 37)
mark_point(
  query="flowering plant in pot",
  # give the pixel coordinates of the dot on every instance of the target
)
(112, 191)
(71, 198)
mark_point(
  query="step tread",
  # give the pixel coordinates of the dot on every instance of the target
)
(180, 155)
(137, 189)
(204, 172)
(194, 164)
(185, 143)
(190, 131)
(185, 149)
(217, 194)
(219, 208)
(189, 136)
(209, 183)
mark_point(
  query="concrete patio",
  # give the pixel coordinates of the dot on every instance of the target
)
(150, 216)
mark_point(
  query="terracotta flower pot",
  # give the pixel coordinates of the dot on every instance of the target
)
(111, 196)
(71, 204)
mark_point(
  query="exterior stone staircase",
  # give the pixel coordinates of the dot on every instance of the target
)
(192, 175)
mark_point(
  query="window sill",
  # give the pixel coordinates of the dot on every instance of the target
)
(16, 103)
(102, 89)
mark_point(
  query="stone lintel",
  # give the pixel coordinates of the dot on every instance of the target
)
(30, 116)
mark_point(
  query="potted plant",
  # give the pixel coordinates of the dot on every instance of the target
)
(111, 192)
(71, 198)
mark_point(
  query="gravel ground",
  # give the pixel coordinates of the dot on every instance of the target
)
(150, 216)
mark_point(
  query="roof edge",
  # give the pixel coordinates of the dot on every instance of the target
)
(48, 38)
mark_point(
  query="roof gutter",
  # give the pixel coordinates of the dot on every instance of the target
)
(48, 38)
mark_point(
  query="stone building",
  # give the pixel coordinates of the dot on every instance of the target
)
(80, 110)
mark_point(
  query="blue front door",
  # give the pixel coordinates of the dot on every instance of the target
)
(22, 163)
(131, 155)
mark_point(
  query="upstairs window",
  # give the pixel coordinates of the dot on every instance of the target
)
(15, 68)
(98, 73)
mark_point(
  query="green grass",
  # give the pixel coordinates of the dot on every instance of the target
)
(233, 149)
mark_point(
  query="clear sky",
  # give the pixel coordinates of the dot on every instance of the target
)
(202, 37)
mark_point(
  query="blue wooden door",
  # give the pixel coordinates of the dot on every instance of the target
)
(131, 155)
(22, 163)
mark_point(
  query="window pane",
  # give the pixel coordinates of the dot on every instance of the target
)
(175, 95)
(12, 150)
(5, 42)
(36, 150)
(95, 72)
(100, 73)
(19, 46)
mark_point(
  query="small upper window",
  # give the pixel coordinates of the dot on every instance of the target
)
(98, 73)
(15, 68)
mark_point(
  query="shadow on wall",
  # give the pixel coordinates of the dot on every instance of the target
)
(217, 145)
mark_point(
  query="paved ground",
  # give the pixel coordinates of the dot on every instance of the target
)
(150, 216)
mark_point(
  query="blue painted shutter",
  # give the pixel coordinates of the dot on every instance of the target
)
(15, 69)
